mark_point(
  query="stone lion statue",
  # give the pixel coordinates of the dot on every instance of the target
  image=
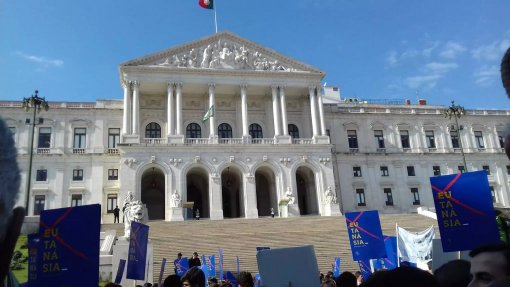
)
(134, 211)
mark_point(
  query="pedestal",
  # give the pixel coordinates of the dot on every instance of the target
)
(331, 209)
(213, 139)
(321, 139)
(283, 139)
(174, 214)
(284, 211)
(216, 214)
(131, 139)
(120, 251)
(176, 139)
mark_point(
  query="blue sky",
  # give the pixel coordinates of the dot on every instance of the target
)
(372, 49)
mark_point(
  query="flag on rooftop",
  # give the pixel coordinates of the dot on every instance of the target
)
(206, 4)
(210, 113)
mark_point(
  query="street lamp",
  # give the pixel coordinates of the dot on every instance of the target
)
(457, 111)
(37, 103)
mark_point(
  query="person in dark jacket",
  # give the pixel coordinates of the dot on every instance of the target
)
(194, 261)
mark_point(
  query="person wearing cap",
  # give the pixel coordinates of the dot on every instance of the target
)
(176, 261)
(194, 260)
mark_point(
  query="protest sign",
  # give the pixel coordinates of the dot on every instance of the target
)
(137, 254)
(120, 271)
(212, 266)
(365, 269)
(336, 267)
(365, 235)
(465, 213)
(181, 265)
(162, 271)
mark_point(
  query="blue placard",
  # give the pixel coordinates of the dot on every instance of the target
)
(220, 253)
(365, 269)
(181, 266)
(365, 235)
(69, 246)
(120, 271)
(262, 248)
(137, 253)
(391, 260)
(465, 213)
(161, 271)
(212, 266)
(336, 267)
(32, 243)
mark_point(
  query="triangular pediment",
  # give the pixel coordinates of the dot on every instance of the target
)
(222, 51)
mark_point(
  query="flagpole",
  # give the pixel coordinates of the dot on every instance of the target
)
(215, 20)
(398, 250)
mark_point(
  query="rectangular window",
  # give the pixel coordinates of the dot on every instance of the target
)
(360, 196)
(76, 200)
(41, 175)
(501, 140)
(416, 196)
(493, 193)
(79, 137)
(77, 174)
(389, 196)
(111, 202)
(487, 169)
(479, 139)
(384, 171)
(113, 137)
(113, 174)
(404, 139)
(461, 168)
(357, 171)
(431, 140)
(379, 139)
(353, 139)
(44, 139)
(436, 169)
(410, 171)
(454, 135)
(39, 201)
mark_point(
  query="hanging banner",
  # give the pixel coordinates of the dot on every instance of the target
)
(465, 213)
(68, 250)
(137, 253)
(365, 235)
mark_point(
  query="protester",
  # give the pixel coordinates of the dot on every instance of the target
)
(176, 261)
(172, 281)
(359, 278)
(11, 219)
(194, 261)
(245, 279)
(402, 276)
(194, 277)
(346, 279)
(454, 273)
(489, 264)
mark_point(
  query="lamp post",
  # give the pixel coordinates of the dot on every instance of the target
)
(36, 103)
(457, 111)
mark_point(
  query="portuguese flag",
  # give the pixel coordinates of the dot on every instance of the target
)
(206, 4)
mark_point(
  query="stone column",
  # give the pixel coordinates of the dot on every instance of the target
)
(244, 109)
(178, 106)
(170, 109)
(136, 107)
(250, 197)
(126, 119)
(276, 116)
(283, 107)
(321, 111)
(313, 110)
(212, 121)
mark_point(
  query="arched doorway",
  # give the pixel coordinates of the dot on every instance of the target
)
(197, 190)
(306, 192)
(153, 193)
(265, 183)
(232, 193)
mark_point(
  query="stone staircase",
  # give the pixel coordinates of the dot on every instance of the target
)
(240, 237)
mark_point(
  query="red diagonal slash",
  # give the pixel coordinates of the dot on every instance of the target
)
(359, 227)
(59, 239)
(439, 191)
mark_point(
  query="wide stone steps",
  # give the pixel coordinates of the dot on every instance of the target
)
(240, 237)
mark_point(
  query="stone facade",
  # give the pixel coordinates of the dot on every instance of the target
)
(269, 140)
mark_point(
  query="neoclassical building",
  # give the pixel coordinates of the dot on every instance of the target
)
(229, 128)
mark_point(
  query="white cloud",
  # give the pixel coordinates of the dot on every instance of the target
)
(424, 81)
(392, 59)
(41, 61)
(487, 75)
(451, 50)
(440, 68)
(428, 51)
(491, 52)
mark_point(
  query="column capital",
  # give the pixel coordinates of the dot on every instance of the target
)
(178, 85)
(125, 84)
(274, 87)
(213, 85)
(282, 87)
(171, 84)
(311, 89)
(243, 86)
(135, 84)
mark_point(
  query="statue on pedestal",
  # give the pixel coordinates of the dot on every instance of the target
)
(133, 211)
(290, 195)
(329, 196)
(175, 201)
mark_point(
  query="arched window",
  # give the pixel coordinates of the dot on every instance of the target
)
(255, 131)
(193, 131)
(224, 131)
(293, 131)
(153, 131)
